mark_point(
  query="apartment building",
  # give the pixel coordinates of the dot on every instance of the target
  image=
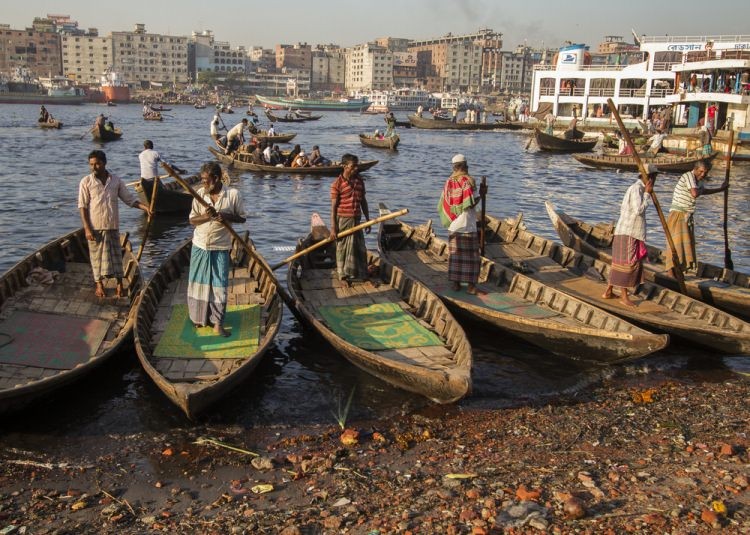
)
(85, 56)
(38, 52)
(150, 57)
(369, 67)
(451, 62)
(328, 71)
(295, 57)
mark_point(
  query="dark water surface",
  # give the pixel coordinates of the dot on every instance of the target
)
(302, 377)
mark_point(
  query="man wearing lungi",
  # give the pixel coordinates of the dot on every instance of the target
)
(97, 204)
(348, 204)
(456, 209)
(629, 244)
(208, 280)
(689, 187)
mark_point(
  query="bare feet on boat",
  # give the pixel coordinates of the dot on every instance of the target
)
(473, 290)
(118, 291)
(99, 291)
(221, 331)
(607, 293)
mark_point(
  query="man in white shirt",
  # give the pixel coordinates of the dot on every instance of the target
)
(236, 136)
(150, 159)
(271, 130)
(97, 204)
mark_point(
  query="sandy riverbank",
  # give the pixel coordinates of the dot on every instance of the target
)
(669, 457)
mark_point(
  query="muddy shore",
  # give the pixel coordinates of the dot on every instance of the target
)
(667, 457)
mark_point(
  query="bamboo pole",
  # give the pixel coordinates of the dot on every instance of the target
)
(340, 235)
(149, 220)
(644, 177)
(728, 264)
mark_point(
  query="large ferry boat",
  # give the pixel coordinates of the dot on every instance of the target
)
(688, 73)
(344, 104)
(404, 99)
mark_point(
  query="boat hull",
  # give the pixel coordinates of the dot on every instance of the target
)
(440, 124)
(236, 161)
(389, 143)
(550, 143)
(664, 163)
(170, 197)
(29, 98)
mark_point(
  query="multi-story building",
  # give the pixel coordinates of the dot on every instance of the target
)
(456, 62)
(368, 67)
(394, 44)
(297, 57)
(150, 57)
(516, 71)
(278, 84)
(263, 58)
(38, 52)
(405, 69)
(85, 56)
(328, 71)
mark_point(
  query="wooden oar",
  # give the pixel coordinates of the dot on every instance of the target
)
(340, 235)
(728, 264)
(484, 213)
(152, 205)
(281, 291)
(531, 140)
(677, 269)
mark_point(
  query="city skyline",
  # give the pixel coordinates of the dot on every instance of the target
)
(335, 21)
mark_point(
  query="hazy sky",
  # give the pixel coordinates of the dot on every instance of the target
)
(267, 23)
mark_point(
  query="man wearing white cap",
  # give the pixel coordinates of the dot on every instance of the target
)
(456, 209)
(629, 244)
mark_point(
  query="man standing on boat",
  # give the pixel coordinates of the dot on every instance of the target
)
(689, 187)
(390, 121)
(97, 204)
(208, 281)
(629, 244)
(236, 137)
(456, 209)
(150, 159)
(348, 204)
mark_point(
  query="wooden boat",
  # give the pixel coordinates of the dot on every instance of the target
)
(277, 138)
(380, 143)
(200, 106)
(436, 124)
(558, 144)
(54, 334)
(111, 104)
(108, 135)
(160, 108)
(403, 124)
(297, 119)
(437, 367)
(659, 309)
(527, 308)
(54, 123)
(170, 197)
(241, 160)
(189, 378)
(723, 288)
(666, 163)
(153, 117)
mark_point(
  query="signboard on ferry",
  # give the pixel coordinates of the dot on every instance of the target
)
(706, 45)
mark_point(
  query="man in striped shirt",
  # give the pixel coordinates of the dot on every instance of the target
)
(689, 187)
(348, 204)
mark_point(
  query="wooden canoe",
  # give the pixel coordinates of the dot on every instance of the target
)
(278, 138)
(60, 313)
(657, 308)
(558, 144)
(440, 372)
(240, 160)
(193, 384)
(54, 123)
(153, 117)
(665, 163)
(527, 308)
(723, 288)
(438, 124)
(389, 143)
(108, 135)
(170, 197)
(297, 119)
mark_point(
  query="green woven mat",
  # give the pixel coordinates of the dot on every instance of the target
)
(377, 326)
(50, 340)
(502, 302)
(182, 340)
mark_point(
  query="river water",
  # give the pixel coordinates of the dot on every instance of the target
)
(302, 379)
